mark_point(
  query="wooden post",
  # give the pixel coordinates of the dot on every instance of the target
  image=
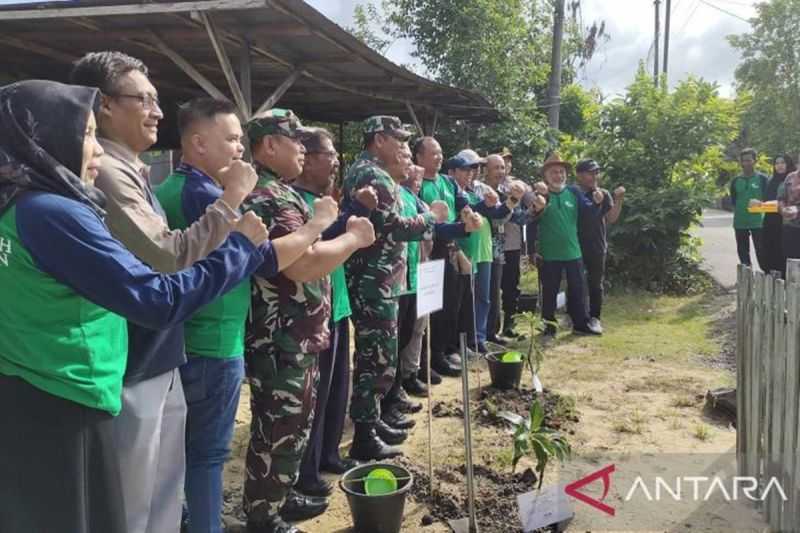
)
(792, 412)
(414, 118)
(742, 320)
(754, 386)
(245, 76)
(775, 404)
(554, 86)
(276, 95)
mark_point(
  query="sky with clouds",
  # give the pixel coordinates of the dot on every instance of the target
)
(698, 43)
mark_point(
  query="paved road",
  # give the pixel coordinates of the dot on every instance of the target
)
(719, 246)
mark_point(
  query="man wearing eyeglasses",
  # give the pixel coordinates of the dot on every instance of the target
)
(150, 429)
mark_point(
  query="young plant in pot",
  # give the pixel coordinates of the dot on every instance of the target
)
(506, 368)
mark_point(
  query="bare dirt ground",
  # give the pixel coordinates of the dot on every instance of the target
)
(638, 389)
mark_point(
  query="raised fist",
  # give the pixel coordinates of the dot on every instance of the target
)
(491, 198)
(540, 187)
(440, 210)
(367, 197)
(619, 192)
(362, 229)
(539, 202)
(789, 212)
(325, 212)
(238, 180)
(517, 189)
(472, 222)
(597, 196)
(251, 226)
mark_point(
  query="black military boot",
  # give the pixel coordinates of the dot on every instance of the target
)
(399, 399)
(299, 507)
(396, 419)
(390, 435)
(367, 446)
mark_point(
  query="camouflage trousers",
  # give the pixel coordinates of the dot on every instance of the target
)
(283, 390)
(375, 325)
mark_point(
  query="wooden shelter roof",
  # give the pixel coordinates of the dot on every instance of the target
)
(258, 53)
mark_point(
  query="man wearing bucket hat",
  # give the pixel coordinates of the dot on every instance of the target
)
(287, 329)
(559, 211)
(592, 234)
(375, 277)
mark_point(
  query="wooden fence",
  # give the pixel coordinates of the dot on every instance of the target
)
(767, 378)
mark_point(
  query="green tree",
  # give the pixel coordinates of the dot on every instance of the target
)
(768, 77)
(668, 149)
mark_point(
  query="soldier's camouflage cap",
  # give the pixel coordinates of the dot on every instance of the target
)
(275, 121)
(386, 124)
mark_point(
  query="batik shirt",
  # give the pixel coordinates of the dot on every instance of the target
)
(292, 315)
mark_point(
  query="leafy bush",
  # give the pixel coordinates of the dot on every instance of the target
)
(668, 150)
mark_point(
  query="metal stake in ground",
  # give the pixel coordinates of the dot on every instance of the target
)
(470, 524)
(474, 324)
(430, 406)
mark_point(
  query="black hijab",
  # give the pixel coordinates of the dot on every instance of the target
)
(777, 178)
(42, 130)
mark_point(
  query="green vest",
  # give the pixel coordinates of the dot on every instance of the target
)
(478, 245)
(53, 338)
(409, 210)
(558, 228)
(439, 189)
(340, 299)
(216, 329)
(747, 189)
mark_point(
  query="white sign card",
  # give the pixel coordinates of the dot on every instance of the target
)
(550, 505)
(430, 287)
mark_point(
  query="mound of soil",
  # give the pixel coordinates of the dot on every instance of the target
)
(558, 410)
(495, 494)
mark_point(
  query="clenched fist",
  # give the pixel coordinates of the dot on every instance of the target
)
(472, 222)
(619, 192)
(362, 229)
(597, 196)
(491, 198)
(540, 187)
(325, 212)
(539, 203)
(251, 226)
(237, 180)
(367, 197)
(517, 189)
(440, 210)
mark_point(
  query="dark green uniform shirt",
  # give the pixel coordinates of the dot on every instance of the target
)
(744, 189)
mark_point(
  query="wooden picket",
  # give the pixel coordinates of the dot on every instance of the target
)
(768, 372)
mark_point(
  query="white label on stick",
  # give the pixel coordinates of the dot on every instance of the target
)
(543, 508)
(430, 287)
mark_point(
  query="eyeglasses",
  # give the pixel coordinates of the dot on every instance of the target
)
(148, 101)
(333, 154)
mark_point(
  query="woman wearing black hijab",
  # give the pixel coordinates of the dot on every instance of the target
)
(67, 288)
(771, 238)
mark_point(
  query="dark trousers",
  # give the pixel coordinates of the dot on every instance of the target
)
(595, 266)
(510, 287)
(550, 273)
(772, 244)
(331, 407)
(445, 323)
(743, 246)
(791, 242)
(58, 464)
(493, 322)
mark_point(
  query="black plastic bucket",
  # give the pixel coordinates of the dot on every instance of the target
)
(376, 514)
(505, 376)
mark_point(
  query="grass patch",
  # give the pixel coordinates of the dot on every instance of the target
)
(683, 402)
(634, 424)
(702, 432)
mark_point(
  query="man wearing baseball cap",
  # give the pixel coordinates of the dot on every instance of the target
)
(287, 330)
(592, 234)
(376, 276)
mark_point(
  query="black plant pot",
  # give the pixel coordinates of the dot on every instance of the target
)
(505, 376)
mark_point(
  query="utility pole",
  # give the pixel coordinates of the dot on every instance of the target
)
(666, 36)
(554, 89)
(657, 4)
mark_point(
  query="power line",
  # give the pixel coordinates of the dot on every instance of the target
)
(734, 15)
(689, 18)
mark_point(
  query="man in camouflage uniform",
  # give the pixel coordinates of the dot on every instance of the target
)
(288, 328)
(375, 277)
